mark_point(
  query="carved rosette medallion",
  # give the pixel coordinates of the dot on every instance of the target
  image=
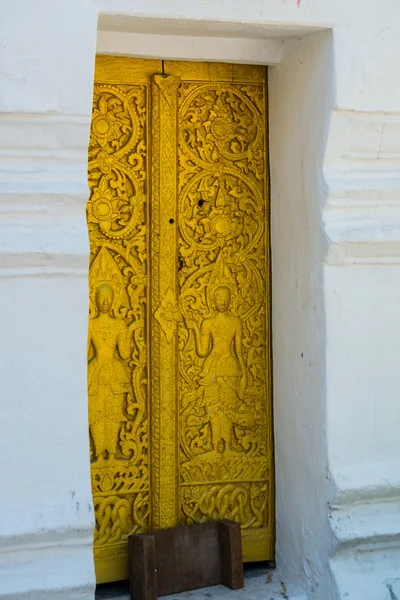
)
(168, 314)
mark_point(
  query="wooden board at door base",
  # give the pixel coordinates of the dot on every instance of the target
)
(179, 372)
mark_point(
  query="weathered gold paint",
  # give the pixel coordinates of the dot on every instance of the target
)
(179, 342)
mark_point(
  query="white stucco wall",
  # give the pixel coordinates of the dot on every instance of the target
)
(46, 518)
(334, 131)
(301, 98)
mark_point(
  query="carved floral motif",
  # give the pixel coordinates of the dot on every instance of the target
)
(208, 448)
(168, 314)
(222, 246)
(117, 351)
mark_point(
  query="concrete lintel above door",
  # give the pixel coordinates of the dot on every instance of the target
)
(184, 47)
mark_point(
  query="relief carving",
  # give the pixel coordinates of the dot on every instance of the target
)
(117, 351)
(110, 343)
(225, 465)
(200, 303)
(164, 364)
(223, 377)
(168, 314)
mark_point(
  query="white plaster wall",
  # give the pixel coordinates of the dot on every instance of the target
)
(46, 516)
(336, 249)
(363, 452)
(366, 44)
(300, 101)
(362, 287)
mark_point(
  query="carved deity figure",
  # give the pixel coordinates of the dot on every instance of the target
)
(223, 376)
(109, 343)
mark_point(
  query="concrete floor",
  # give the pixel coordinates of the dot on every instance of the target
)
(260, 584)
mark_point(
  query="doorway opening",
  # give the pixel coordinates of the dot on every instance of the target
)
(180, 412)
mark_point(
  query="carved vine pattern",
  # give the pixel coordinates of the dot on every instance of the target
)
(222, 216)
(221, 213)
(117, 223)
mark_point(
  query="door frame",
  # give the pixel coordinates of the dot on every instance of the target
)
(296, 260)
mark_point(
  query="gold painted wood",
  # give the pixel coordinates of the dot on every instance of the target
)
(200, 71)
(121, 69)
(179, 343)
(165, 308)
(118, 374)
(226, 466)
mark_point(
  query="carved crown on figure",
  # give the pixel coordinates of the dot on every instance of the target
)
(104, 271)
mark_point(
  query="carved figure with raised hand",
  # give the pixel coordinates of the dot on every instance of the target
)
(223, 376)
(109, 343)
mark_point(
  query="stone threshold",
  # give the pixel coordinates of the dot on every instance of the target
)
(260, 584)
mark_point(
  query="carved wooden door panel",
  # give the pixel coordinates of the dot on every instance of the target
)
(179, 343)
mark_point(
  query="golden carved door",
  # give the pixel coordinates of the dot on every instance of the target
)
(179, 344)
